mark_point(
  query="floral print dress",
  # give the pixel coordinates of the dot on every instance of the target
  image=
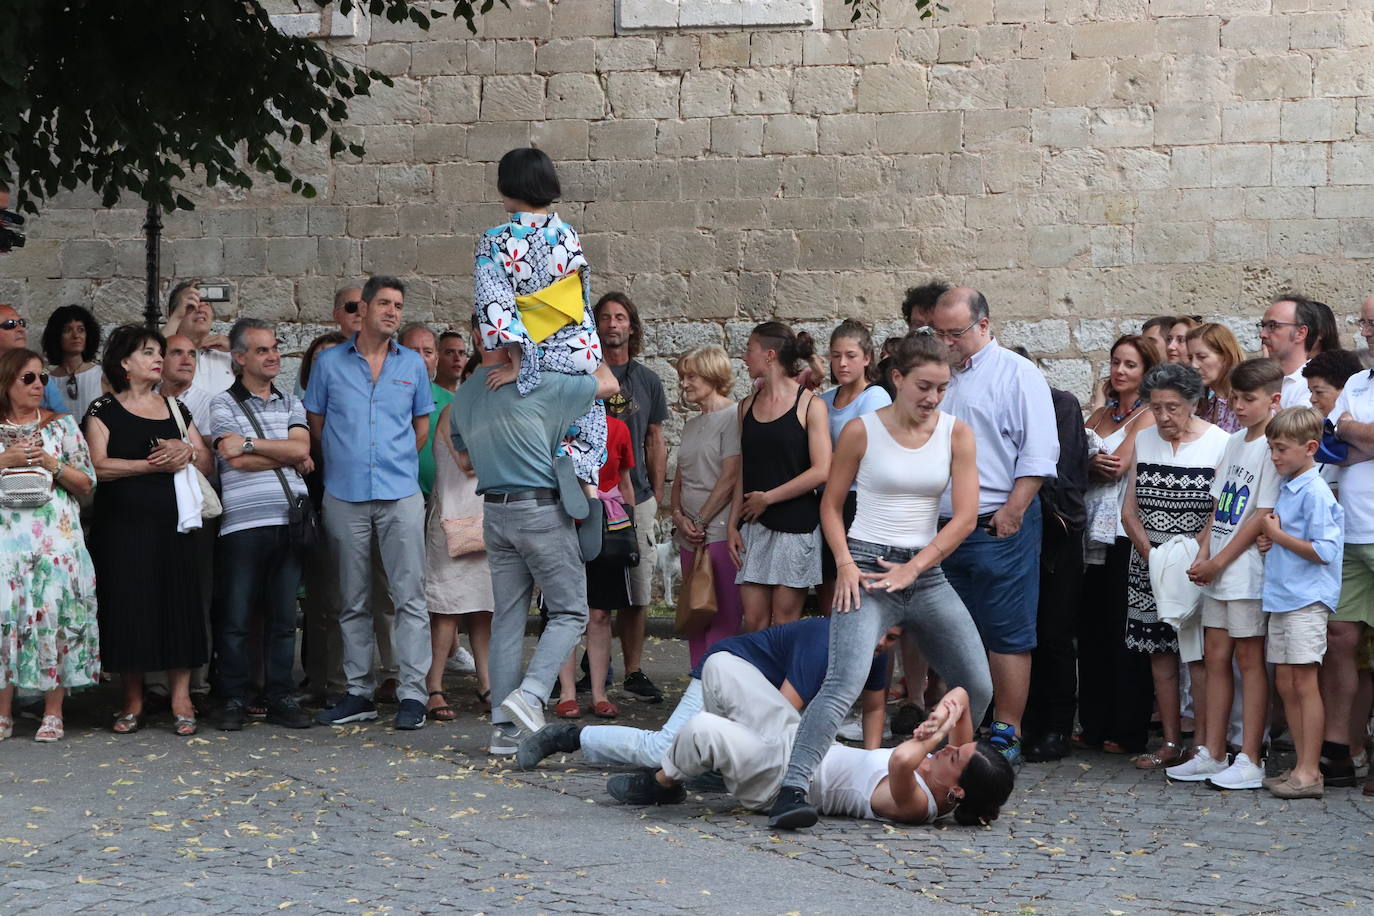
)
(520, 257)
(49, 637)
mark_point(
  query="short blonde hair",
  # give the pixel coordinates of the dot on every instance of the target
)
(712, 364)
(1296, 424)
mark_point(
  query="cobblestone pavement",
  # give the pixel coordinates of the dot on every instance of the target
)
(365, 819)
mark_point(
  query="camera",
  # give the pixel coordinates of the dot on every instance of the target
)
(11, 236)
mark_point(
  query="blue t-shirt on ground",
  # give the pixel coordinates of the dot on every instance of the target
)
(794, 652)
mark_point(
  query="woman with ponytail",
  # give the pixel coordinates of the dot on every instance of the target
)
(774, 530)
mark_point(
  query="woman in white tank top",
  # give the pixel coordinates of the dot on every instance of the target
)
(903, 458)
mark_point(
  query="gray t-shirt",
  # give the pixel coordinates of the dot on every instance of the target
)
(511, 439)
(707, 440)
(639, 404)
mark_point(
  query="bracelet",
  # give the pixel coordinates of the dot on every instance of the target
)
(846, 563)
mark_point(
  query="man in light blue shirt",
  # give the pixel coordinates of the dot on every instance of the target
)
(996, 571)
(510, 441)
(368, 405)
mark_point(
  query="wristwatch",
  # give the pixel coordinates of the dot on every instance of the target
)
(248, 446)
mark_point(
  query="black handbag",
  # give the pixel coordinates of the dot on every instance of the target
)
(303, 522)
(619, 547)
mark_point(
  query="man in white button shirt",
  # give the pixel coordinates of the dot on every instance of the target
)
(1346, 628)
(193, 317)
(996, 571)
(1293, 330)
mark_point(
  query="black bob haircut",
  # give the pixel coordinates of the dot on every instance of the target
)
(125, 341)
(57, 323)
(527, 174)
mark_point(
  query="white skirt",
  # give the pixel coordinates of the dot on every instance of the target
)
(780, 557)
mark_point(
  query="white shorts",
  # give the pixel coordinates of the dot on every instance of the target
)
(1298, 637)
(1240, 617)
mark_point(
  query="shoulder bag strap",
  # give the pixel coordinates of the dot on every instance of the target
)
(257, 428)
(175, 407)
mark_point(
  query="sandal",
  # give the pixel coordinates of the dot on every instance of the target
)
(605, 709)
(1160, 758)
(128, 723)
(568, 709)
(185, 726)
(1113, 747)
(484, 697)
(50, 730)
(443, 713)
(256, 709)
(6, 727)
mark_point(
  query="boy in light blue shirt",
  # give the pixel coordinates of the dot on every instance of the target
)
(1303, 541)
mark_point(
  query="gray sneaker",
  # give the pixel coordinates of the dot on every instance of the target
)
(529, 715)
(505, 740)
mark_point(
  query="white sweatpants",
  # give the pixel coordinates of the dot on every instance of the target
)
(745, 730)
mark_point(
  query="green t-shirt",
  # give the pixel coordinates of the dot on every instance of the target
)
(442, 398)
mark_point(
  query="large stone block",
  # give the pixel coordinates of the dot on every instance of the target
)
(1114, 39)
(1273, 77)
(1187, 124)
(512, 98)
(762, 91)
(684, 139)
(847, 134)
(823, 90)
(575, 95)
(1249, 122)
(635, 139)
(959, 88)
(643, 95)
(741, 136)
(566, 55)
(789, 134)
(1171, 243)
(892, 87)
(1299, 165)
(922, 132)
(1240, 165)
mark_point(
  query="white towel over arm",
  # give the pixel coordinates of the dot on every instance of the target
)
(190, 502)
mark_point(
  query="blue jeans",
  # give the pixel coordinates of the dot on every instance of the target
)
(930, 610)
(640, 747)
(255, 567)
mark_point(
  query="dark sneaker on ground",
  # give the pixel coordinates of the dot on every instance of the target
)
(349, 709)
(288, 714)
(791, 811)
(549, 740)
(410, 717)
(230, 717)
(1003, 737)
(906, 718)
(642, 789)
(638, 683)
(1047, 747)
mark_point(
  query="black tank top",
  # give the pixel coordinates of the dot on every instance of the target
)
(772, 454)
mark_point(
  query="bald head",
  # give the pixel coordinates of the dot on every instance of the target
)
(960, 319)
(179, 364)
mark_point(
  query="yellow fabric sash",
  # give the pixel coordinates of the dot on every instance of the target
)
(556, 305)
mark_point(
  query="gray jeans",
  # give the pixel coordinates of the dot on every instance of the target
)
(398, 525)
(930, 610)
(528, 545)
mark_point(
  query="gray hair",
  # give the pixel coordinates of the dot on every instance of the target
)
(1185, 380)
(242, 327)
(413, 326)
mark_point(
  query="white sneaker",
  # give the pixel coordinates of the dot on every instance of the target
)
(853, 730)
(1198, 769)
(460, 662)
(529, 715)
(1242, 774)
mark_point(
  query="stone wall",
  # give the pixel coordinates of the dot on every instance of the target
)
(1084, 162)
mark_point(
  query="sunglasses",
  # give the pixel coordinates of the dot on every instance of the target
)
(9, 324)
(28, 378)
(351, 307)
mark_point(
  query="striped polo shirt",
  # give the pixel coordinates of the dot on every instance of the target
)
(254, 499)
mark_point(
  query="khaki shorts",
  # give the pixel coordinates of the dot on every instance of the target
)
(1357, 585)
(1298, 637)
(642, 576)
(1239, 617)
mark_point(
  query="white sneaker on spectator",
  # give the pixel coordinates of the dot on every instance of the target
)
(853, 729)
(529, 715)
(1242, 774)
(460, 662)
(1198, 769)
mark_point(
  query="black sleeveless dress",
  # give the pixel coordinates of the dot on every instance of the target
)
(147, 585)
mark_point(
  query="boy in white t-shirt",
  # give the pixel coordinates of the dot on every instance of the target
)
(1230, 571)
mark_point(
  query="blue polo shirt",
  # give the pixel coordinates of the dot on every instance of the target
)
(795, 652)
(1306, 510)
(369, 439)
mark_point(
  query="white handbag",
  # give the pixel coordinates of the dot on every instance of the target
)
(25, 488)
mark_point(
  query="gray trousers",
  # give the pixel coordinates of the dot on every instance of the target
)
(399, 529)
(528, 545)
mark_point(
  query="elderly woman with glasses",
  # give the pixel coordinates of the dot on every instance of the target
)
(48, 635)
(1169, 493)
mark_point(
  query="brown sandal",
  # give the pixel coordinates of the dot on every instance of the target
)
(1160, 758)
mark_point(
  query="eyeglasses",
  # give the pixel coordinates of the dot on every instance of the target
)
(28, 378)
(953, 335)
(1272, 326)
(351, 307)
(9, 324)
(1366, 324)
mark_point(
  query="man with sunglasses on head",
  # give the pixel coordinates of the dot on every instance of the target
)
(996, 571)
(193, 317)
(14, 335)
